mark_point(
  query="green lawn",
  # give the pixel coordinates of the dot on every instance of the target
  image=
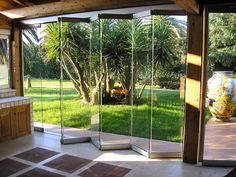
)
(49, 82)
(167, 113)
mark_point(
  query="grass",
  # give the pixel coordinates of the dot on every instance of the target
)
(167, 113)
(49, 82)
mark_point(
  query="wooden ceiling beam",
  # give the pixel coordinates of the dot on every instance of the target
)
(191, 6)
(5, 22)
(75, 6)
(5, 5)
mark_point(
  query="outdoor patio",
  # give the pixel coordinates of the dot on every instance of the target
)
(220, 140)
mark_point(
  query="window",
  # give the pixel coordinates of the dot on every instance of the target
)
(4, 59)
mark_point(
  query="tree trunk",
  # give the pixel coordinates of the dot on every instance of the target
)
(75, 83)
(127, 85)
(141, 92)
(83, 88)
(109, 84)
(95, 99)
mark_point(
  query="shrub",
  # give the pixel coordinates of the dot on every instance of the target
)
(169, 80)
(169, 76)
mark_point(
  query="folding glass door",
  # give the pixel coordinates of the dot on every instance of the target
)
(116, 87)
(41, 77)
(33, 73)
(142, 82)
(95, 83)
(168, 82)
(79, 63)
(117, 81)
(159, 81)
(219, 124)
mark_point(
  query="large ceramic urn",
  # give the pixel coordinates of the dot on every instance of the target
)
(221, 95)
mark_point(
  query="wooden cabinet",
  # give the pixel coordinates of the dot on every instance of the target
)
(22, 117)
(6, 129)
(14, 122)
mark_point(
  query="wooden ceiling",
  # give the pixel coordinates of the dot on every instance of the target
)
(23, 10)
(14, 4)
(214, 2)
(26, 9)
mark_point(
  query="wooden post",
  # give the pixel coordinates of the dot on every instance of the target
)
(193, 98)
(17, 81)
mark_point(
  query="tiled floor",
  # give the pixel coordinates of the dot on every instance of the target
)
(55, 164)
(104, 170)
(120, 162)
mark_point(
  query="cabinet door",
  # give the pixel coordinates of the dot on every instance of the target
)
(6, 130)
(22, 116)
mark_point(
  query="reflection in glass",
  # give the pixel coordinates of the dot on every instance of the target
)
(4, 61)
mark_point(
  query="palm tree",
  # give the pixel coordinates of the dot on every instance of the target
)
(118, 38)
(167, 35)
(117, 50)
(76, 61)
(118, 43)
(31, 49)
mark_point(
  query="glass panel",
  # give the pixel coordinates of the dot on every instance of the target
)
(220, 121)
(168, 69)
(50, 78)
(76, 65)
(141, 83)
(33, 63)
(4, 61)
(95, 82)
(116, 93)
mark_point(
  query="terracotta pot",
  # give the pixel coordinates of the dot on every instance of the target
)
(221, 95)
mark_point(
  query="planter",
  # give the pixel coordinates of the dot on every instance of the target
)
(221, 95)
